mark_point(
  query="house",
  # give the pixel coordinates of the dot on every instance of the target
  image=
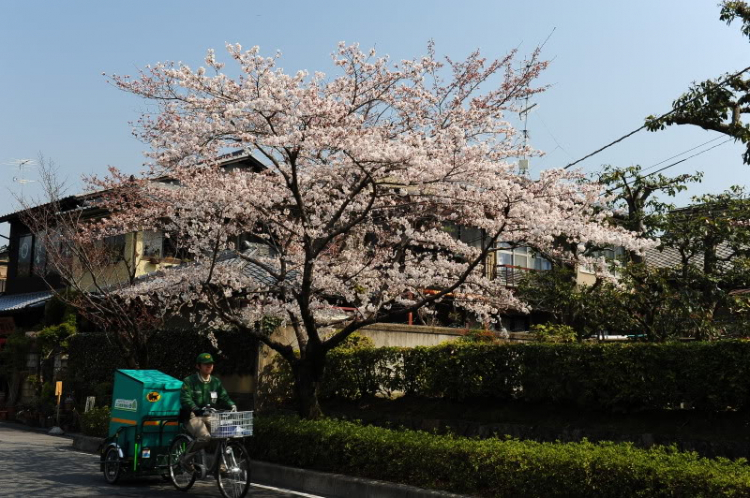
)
(32, 272)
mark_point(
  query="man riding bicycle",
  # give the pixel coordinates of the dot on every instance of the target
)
(200, 392)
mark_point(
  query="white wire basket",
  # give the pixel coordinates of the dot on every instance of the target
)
(231, 424)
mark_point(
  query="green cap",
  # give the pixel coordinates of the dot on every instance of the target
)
(204, 358)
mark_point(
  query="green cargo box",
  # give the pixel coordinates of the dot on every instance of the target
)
(145, 407)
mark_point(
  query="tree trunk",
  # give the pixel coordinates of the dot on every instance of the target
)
(14, 387)
(308, 373)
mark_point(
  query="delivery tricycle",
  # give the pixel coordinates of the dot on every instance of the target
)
(146, 437)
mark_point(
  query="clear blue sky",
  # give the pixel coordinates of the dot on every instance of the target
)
(613, 64)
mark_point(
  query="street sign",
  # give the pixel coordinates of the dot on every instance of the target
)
(58, 388)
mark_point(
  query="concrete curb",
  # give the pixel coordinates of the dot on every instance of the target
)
(336, 485)
(87, 444)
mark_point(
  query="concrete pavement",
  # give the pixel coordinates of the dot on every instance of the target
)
(39, 465)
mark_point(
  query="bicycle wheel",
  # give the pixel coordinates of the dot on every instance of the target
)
(233, 475)
(182, 478)
(112, 467)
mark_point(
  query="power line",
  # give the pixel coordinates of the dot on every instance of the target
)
(685, 159)
(638, 177)
(681, 153)
(726, 80)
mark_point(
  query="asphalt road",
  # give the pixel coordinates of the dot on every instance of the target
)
(34, 464)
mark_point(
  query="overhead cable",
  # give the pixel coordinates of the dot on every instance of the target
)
(669, 165)
(726, 80)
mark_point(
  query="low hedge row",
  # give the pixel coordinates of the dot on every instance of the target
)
(493, 467)
(613, 377)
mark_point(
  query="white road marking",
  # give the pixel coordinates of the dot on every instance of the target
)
(78, 452)
(298, 493)
(263, 486)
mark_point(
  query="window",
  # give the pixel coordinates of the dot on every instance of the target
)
(542, 264)
(513, 263)
(112, 249)
(610, 255)
(152, 244)
(472, 237)
(39, 263)
(25, 248)
(521, 257)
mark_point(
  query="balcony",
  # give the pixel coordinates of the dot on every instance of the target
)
(510, 275)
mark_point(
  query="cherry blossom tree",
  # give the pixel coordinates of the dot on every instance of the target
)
(363, 172)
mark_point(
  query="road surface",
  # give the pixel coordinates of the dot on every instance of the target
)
(34, 464)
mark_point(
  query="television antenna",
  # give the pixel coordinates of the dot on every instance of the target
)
(22, 165)
(22, 181)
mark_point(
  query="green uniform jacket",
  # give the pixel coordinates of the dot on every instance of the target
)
(196, 394)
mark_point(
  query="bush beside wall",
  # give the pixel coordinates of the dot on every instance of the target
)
(493, 467)
(707, 376)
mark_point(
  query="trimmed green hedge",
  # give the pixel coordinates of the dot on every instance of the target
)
(493, 467)
(93, 357)
(707, 376)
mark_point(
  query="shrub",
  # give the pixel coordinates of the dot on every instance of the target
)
(493, 467)
(551, 332)
(95, 422)
(479, 336)
(613, 377)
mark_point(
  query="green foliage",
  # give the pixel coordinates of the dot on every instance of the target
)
(666, 303)
(657, 303)
(479, 336)
(356, 341)
(588, 309)
(95, 422)
(635, 195)
(269, 324)
(708, 377)
(494, 467)
(13, 355)
(551, 332)
(716, 104)
(277, 382)
(55, 338)
(731, 10)
(93, 357)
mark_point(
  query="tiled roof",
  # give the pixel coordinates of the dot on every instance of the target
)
(19, 301)
(252, 270)
(225, 259)
(668, 257)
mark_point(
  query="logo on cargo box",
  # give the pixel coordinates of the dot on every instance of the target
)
(128, 405)
(153, 396)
